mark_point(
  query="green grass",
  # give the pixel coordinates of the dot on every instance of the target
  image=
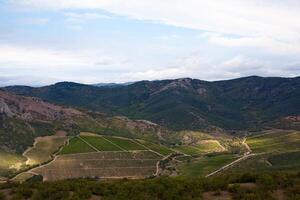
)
(189, 150)
(10, 163)
(286, 160)
(156, 147)
(208, 146)
(280, 141)
(125, 144)
(76, 145)
(100, 143)
(205, 165)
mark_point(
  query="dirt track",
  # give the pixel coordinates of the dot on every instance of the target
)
(246, 155)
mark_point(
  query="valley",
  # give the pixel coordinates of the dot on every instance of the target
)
(68, 142)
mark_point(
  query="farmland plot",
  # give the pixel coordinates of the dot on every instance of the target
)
(275, 140)
(125, 144)
(156, 147)
(10, 162)
(76, 145)
(101, 143)
(100, 164)
(43, 149)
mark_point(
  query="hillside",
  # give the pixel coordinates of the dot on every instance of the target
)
(240, 104)
(25, 118)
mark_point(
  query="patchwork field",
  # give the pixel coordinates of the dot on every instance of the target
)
(274, 149)
(275, 140)
(101, 164)
(90, 155)
(43, 149)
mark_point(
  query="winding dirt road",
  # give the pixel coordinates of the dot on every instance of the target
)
(246, 155)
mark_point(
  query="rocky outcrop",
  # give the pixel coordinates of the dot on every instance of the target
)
(29, 109)
(4, 109)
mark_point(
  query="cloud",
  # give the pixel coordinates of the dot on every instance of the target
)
(196, 66)
(273, 22)
(35, 21)
(271, 45)
(74, 17)
(23, 57)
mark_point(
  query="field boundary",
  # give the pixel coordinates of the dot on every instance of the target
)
(114, 144)
(97, 150)
(148, 148)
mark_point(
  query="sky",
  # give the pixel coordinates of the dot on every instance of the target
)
(103, 41)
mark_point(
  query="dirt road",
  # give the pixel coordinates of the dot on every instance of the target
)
(246, 155)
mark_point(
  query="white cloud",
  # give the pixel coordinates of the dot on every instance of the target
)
(34, 58)
(195, 66)
(19, 56)
(273, 22)
(35, 21)
(74, 17)
(269, 44)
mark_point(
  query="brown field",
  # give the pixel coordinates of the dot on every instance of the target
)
(136, 164)
(43, 149)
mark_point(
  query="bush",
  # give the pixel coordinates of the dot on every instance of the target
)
(2, 196)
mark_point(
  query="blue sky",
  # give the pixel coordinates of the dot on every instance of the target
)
(92, 41)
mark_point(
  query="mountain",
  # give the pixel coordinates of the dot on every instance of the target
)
(111, 85)
(24, 118)
(240, 104)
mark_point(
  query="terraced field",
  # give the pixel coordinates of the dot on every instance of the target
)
(89, 155)
(43, 149)
(275, 140)
(101, 164)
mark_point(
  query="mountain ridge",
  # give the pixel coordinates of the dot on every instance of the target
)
(239, 104)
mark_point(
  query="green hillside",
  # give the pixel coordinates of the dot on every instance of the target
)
(240, 104)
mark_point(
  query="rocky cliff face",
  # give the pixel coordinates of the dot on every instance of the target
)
(30, 109)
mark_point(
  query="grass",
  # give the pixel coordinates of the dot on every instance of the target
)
(126, 144)
(205, 165)
(76, 145)
(286, 160)
(10, 163)
(22, 177)
(204, 146)
(43, 149)
(280, 141)
(100, 143)
(156, 147)
(209, 146)
(189, 150)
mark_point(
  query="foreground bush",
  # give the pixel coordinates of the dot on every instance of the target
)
(164, 188)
